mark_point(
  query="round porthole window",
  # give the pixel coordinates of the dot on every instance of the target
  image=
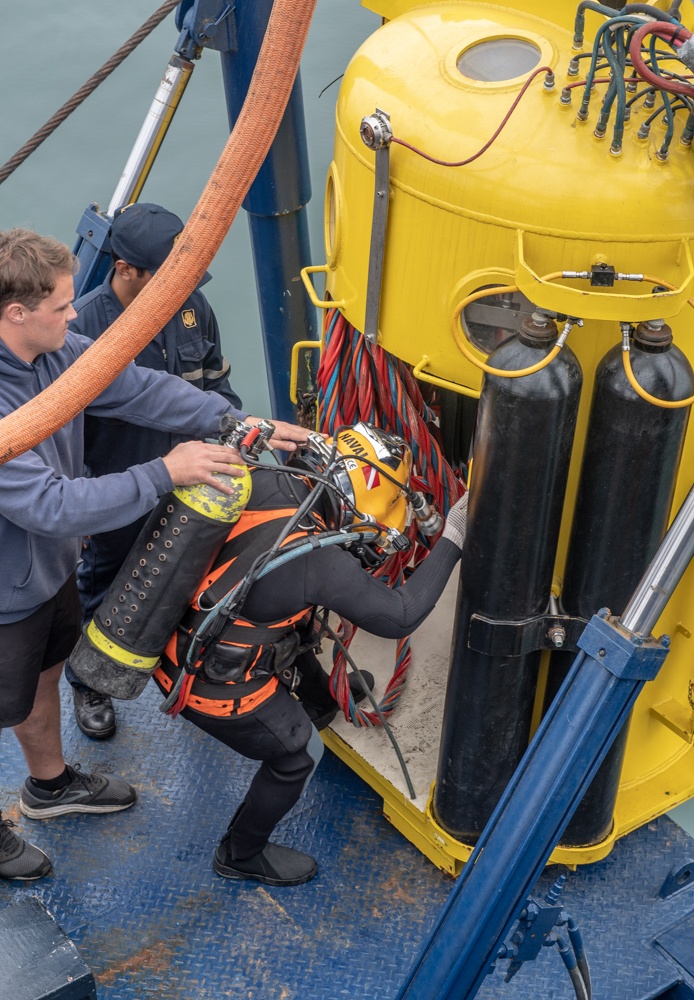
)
(498, 59)
(332, 218)
(491, 320)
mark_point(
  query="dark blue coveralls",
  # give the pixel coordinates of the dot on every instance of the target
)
(188, 346)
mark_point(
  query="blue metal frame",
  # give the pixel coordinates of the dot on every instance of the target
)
(92, 249)
(561, 761)
(276, 202)
(276, 212)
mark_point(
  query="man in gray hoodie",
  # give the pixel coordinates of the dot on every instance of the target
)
(46, 506)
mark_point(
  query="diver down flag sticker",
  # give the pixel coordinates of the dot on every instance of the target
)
(372, 477)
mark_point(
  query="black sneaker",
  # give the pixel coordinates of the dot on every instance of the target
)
(18, 858)
(274, 865)
(94, 713)
(86, 793)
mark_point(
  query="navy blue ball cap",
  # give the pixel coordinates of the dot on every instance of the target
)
(142, 234)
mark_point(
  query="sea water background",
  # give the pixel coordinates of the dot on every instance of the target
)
(53, 46)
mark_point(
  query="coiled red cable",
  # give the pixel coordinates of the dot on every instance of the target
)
(357, 381)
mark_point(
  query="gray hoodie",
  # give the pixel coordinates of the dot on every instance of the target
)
(46, 503)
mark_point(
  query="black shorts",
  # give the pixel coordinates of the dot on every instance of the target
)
(32, 645)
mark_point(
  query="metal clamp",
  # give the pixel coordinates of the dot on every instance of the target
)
(517, 638)
(376, 133)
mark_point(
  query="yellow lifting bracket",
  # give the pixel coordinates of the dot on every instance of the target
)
(300, 345)
(419, 372)
(306, 273)
(602, 305)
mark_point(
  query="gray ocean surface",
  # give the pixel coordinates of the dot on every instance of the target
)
(56, 45)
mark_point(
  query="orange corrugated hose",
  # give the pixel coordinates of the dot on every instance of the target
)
(209, 223)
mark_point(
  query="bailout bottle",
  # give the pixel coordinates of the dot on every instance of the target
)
(120, 648)
(522, 449)
(632, 454)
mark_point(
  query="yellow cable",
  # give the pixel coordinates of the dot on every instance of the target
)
(462, 346)
(626, 359)
(666, 404)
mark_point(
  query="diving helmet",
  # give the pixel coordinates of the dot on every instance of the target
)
(373, 475)
(370, 471)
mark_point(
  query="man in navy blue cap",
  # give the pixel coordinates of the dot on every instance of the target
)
(142, 236)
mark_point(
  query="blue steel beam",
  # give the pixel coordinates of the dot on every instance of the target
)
(586, 716)
(276, 211)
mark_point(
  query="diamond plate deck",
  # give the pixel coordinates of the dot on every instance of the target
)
(136, 892)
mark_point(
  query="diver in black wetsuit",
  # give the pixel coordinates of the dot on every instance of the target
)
(238, 695)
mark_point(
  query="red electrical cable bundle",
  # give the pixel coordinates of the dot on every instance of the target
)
(358, 381)
(675, 34)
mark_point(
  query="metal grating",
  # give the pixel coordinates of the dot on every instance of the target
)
(136, 892)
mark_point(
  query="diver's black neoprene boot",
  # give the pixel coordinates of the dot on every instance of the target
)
(274, 865)
(321, 715)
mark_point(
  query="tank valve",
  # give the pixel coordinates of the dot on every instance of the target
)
(254, 438)
(375, 130)
(429, 521)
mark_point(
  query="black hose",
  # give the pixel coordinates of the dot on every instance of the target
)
(85, 90)
(584, 969)
(576, 940)
(578, 985)
(568, 958)
(381, 718)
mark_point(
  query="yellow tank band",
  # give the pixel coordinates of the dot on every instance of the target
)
(117, 653)
(216, 506)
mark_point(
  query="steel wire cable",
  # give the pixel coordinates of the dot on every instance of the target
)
(85, 90)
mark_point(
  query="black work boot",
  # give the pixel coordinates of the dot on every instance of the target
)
(321, 715)
(274, 865)
(18, 858)
(94, 713)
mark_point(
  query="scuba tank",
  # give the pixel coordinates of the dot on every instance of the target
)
(630, 464)
(523, 440)
(120, 647)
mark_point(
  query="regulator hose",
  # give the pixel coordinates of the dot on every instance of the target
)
(665, 404)
(244, 153)
(488, 369)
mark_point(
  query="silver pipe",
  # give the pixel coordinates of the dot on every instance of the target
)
(154, 128)
(664, 573)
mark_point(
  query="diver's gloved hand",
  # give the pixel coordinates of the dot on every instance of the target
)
(456, 522)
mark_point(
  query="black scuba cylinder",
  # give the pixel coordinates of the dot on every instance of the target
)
(631, 457)
(120, 647)
(521, 454)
